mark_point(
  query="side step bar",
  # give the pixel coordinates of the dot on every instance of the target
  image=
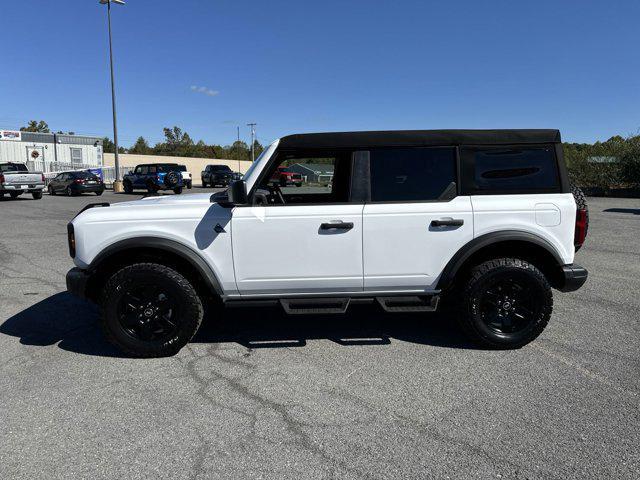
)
(409, 304)
(326, 305)
(295, 306)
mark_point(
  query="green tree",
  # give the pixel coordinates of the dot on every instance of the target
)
(141, 147)
(36, 126)
(109, 147)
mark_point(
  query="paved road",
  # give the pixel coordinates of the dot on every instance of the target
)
(361, 396)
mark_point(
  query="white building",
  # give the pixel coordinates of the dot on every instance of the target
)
(50, 152)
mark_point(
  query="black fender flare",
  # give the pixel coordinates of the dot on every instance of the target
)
(159, 243)
(483, 241)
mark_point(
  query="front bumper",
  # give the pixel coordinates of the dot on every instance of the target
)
(574, 277)
(77, 280)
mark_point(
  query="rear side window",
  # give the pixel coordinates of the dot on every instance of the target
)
(412, 174)
(511, 169)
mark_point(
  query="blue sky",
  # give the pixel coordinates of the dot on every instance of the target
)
(298, 66)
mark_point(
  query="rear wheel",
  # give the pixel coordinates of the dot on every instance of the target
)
(69, 192)
(15, 194)
(506, 303)
(36, 195)
(177, 190)
(98, 193)
(128, 187)
(150, 310)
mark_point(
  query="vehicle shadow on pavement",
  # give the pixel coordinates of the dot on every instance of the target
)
(73, 324)
(634, 211)
(61, 319)
(363, 325)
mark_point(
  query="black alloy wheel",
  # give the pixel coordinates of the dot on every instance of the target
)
(150, 310)
(506, 303)
(148, 313)
(506, 306)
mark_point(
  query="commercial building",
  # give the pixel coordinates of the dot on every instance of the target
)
(45, 150)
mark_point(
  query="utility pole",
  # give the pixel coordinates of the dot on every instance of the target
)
(117, 186)
(238, 127)
(253, 141)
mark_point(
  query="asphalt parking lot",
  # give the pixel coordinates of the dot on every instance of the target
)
(365, 395)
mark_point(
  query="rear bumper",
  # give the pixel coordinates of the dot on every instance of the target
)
(574, 277)
(18, 188)
(77, 280)
(88, 188)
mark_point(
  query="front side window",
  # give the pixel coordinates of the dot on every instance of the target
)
(511, 169)
(412, 174)
(306, 178)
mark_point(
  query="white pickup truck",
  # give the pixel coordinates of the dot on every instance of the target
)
(16, 179)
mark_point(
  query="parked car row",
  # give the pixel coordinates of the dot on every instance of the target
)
(15, 179)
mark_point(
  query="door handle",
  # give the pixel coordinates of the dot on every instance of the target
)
(336, 226)
(447, 222)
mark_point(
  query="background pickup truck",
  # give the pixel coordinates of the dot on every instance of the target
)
(217, 175)
(15, 179)
(283, 177)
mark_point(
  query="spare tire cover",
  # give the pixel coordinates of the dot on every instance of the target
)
(171, 179)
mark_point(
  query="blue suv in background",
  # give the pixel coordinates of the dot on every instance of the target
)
(153, 177)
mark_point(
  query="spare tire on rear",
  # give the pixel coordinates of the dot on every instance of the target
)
(581, 204)
(171, 179)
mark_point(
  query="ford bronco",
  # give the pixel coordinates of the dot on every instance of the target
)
(481, 222)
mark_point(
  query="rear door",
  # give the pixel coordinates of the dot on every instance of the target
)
(305, 239)
(416, 221)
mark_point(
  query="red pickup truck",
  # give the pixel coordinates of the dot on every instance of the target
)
(285, 178)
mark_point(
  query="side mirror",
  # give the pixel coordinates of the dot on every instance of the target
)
(238, 193)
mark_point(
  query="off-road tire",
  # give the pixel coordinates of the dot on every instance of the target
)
(190, 313)
(470, 301)
(189, 185)
(177, 190)
(15, 194)
(127, 186)
(36, 195)
(581, 203)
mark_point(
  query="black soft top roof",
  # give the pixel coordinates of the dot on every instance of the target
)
(419, 138)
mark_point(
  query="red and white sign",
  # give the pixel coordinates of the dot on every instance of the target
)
(14, 135)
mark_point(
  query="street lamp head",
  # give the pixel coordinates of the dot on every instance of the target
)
(119, 2)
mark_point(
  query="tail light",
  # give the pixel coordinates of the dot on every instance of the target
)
(581, 227)
(43, 178)
(72, 240)
(1, 178)
(78, 180)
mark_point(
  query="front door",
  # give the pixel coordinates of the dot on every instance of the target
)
(415, 221)
(304, 238)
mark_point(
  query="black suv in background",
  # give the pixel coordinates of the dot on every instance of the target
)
(75, 183)
(217, 175)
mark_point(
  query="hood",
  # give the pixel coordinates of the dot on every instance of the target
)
(192, 198)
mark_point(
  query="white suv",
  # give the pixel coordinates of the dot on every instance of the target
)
(482, 222)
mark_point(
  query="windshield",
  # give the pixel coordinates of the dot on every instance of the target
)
(13, 167)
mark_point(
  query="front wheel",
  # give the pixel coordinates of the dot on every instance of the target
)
(51, 190)
(150, 310)
(506, 303)
(127, 186)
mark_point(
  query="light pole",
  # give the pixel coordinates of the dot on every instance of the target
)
(117, 185)
(253, 136)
